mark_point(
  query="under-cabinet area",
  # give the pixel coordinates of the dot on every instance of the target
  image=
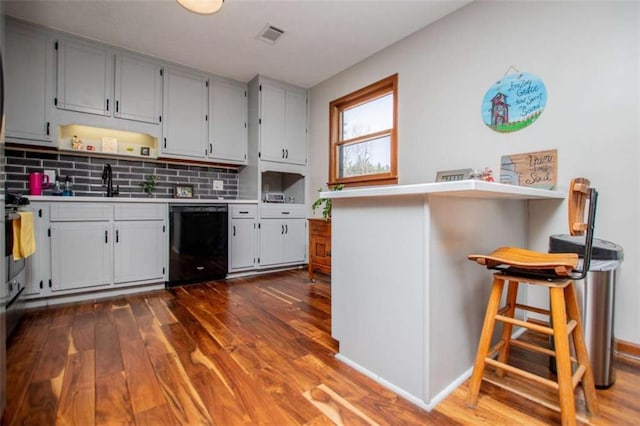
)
(88, 247)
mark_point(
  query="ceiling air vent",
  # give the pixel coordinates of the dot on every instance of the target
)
(270, 34)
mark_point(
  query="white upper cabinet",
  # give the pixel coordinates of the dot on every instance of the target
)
(138, 89)
(185, 114)
(28, 69)
(227, 121)
(295, 130)
(283, 123)
(84, 77)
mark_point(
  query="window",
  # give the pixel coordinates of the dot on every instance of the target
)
(363, 135)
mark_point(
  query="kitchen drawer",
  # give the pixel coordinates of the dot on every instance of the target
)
(74, 212)
(240, 211)
(282, 211)
(140, 211)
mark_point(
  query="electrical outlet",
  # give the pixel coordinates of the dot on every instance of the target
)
(218, 185)
(51, 174)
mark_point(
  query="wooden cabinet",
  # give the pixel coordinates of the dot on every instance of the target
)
(282, 122)
(138, 89)
(185, 114)
(28, 63)
(319, 246)
(227, 121)
(242, 237)
(85, 73)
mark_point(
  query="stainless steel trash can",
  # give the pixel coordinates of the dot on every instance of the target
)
(596, 298)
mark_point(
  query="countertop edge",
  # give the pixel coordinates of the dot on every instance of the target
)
(465, 188)
(51, 198)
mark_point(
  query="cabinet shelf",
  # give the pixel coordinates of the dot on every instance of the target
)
(95, 140)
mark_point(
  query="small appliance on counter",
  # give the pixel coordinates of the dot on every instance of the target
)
(274, 197)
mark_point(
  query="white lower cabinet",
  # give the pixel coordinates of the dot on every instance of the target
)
(94, 246)
(38, 269)
(139, 249)
(282, 235)
(81, 255)
(242, 237)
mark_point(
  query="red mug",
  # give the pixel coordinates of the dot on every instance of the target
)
(37, 182)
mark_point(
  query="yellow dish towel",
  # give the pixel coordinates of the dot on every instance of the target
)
(24, 239)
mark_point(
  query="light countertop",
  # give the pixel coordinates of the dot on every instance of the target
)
(36, 198)
(463, 188)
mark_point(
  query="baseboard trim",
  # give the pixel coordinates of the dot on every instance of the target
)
(627, 348)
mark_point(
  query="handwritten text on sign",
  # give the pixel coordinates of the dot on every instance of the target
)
(533, 169)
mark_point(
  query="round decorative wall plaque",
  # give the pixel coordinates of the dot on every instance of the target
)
(514, 102)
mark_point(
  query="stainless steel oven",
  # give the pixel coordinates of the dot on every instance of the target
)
(15, 279)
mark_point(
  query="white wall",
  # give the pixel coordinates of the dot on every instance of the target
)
(587, 55)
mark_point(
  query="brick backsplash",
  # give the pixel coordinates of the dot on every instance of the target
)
(86, 175)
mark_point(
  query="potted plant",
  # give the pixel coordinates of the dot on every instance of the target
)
(325, 203)
(149, 184)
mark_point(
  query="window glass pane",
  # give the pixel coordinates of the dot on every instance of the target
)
(368, 118)
(365, 158)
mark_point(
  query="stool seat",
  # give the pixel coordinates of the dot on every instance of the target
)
(556, 272)
(560, 263)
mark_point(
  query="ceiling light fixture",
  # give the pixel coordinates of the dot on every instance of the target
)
(203, 7)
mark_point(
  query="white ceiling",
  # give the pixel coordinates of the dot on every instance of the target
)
(322, 37)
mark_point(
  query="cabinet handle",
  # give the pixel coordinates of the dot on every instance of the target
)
(106, 237)
(41, 284)
(39, 212)
(286, 212)
(48, 128)
(244, 212)
(117, 236)
(165, 142)
(210, 148)
(286, 229)
(234, 230)
(107, 105)
(117, 106)
(287, 151)
(282, 230)
(282, 152)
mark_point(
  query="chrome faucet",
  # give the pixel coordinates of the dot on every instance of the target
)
(107, 181)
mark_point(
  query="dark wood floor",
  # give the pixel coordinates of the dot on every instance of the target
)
(245, 351)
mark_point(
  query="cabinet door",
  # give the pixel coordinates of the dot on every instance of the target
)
(84, 77)
(28, 61)
(228, 121)
(81, 255)
(294, 247)
(139, 251)
(295, 137)
(185, 110)
(242, 244)
(272, 113)
(38, 265)
(138, 89)
(271, 242)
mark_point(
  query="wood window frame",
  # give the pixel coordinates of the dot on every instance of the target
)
(359, 97)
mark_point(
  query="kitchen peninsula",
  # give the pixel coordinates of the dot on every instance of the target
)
(407, 305)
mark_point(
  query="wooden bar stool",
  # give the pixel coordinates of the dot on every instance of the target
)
(557, 272)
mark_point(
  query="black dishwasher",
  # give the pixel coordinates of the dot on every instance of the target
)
(197, 243)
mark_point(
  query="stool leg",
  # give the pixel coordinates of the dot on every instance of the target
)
(485, 341)
(507, 328)
(563, 362)
(588, 384)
